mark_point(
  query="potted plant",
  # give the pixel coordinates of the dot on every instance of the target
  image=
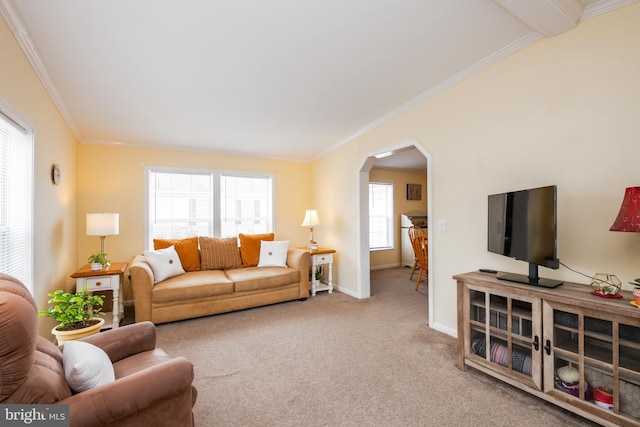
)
(75, 313)
(98, 260)
(636, 290)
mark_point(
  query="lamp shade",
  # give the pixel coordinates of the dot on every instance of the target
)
(310, 219)
(103, 224)
(629, 216)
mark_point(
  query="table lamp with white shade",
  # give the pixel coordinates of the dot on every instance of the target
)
(311, 220)
(103, 224)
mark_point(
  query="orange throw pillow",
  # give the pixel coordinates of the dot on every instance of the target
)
(187, 250)
(250, 247)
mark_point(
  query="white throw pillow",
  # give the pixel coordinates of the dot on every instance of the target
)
(273, 254)
(86, 366)
(165, 263)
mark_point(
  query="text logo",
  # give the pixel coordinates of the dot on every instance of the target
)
(34, 415)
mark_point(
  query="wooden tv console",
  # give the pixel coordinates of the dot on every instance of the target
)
(532, 332)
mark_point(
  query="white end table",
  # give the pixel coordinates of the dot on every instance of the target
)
(109, 278)
(319, 257)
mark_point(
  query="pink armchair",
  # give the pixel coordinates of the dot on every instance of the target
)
(151, 388)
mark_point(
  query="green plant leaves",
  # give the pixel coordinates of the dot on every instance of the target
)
(72, 308)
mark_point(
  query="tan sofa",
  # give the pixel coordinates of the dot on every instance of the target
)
(211, 291)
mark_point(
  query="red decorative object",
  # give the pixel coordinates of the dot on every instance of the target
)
(603, 397)
(603, 295)
(629, 216)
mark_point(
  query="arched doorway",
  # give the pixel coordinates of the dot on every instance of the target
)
(364, 285)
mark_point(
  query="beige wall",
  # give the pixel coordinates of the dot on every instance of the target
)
(111, 179)
(561, 111)
(400, 179)
(55, 206)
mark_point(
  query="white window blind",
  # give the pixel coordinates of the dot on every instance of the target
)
(16, 199)
(185, 203)
(179, 204)
(380, 215)
(245, 205)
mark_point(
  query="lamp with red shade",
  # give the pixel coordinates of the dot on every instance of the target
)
(629, 216)
(629, 220)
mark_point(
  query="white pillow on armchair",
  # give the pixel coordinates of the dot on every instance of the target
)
(86, 366)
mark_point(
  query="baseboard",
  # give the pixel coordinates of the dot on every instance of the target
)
(445, 329)
(345, 291)
(383, 267)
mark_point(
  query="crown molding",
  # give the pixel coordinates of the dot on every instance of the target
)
(441, 87)
(591, 11)
(190, 149)
(20, 33)
(603, 6)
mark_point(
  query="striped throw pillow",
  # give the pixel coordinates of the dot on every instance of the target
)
(218, 253)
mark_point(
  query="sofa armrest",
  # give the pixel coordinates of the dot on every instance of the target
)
(126, 341)
(300, 259)
(141, 283)
(148, 388)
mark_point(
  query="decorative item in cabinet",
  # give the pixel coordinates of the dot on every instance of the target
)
(509, 333)
(607, 357)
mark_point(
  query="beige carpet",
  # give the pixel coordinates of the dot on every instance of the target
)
(337, 361)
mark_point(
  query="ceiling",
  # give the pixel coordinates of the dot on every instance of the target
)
(285, 79)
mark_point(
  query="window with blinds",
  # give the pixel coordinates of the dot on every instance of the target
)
(184, 203)
(380, 215)
(16, 198)
(245, 205)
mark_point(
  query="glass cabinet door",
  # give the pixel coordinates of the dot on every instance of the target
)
(629, 371)
(593, 358)
(504, 333)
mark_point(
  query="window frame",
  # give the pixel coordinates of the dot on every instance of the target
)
(216, 194)
(390, 244)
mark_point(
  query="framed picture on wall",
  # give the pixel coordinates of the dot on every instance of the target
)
(414, 192)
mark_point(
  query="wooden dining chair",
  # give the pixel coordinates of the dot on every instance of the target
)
(414, 231)
(421, 250)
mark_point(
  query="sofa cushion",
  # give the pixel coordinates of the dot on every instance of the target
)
(250, 247)
(187, 250)
(273, 254)
(254, 278)
(164, 263)
(219, 253)
(192, 286)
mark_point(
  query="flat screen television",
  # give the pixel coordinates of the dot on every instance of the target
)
(523, 225)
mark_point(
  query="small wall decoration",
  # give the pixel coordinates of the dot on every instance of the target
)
(55, 174)
(414, 192)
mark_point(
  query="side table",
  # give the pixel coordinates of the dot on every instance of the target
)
(319, 257)
(111, 278)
